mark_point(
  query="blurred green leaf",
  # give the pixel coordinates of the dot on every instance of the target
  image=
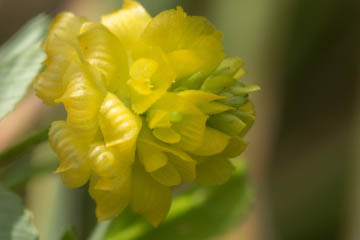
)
(69, 235)
(32, 163)
(15, 221)
(20, 59)
(18, 150)
(198, 214)
(100, 230)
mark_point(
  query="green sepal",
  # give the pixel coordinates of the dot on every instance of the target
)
(227, 123)
(223, 76)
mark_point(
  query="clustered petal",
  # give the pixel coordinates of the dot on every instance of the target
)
(151, 103)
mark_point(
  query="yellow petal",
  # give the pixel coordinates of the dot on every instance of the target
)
(62, 36)
(191, 130)
(150, 157)
(187, 120)
(146, 137)
(205, 101)
(48, 85)
(183, 163)
(151, 76)
(198, 97)
(105, 162)
(235, 147)
(119, 126)
(167, 175)
(217, 83)
(72, 152)
(158, 118)
(141, 72)
(167, 135)
(185, 62)
(110, 204)
(143, 67)
(188, 39)
(127, 23)
(105, 52)
(211, 108)
(82, 100)
(187, 169)
(214, 171)
(149, 198)
(214, 142)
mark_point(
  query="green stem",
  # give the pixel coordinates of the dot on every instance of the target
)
(24, 145)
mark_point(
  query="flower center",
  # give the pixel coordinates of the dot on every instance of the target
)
(141, 72)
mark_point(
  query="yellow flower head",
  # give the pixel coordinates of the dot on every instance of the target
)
(151, 103)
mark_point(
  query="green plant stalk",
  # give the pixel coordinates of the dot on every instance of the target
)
(26, 144)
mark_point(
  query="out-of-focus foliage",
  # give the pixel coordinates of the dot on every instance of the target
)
(69, 235)
(23, 168)
(198, 214)
(20, 59)
(15, 221)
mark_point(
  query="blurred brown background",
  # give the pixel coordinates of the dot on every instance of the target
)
(304, 147)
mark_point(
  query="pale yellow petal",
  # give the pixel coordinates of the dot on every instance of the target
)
(149, 197)
(158, 118)
(186, 168)
(198, 97)
(82, 99)
(214, 142)
(110, 203)
(105, 52)
(72, 152)
(205, 101)
(211, 108)
(186, 119)
(147, 137)
(105, 161)
(62, 36)
(185, 62)
(167, 175)
(235, 147)
(127, 23)
(214, 171)
(183, 163)
(49, 85)
(191, 130)
(193, 43)
(119, 126)
(141, 72)
(167, 135)
(152, 158)
(151, 76)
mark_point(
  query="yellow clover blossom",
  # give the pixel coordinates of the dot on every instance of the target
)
(151, 103)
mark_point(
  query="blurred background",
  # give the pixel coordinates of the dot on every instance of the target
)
(304, 151)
